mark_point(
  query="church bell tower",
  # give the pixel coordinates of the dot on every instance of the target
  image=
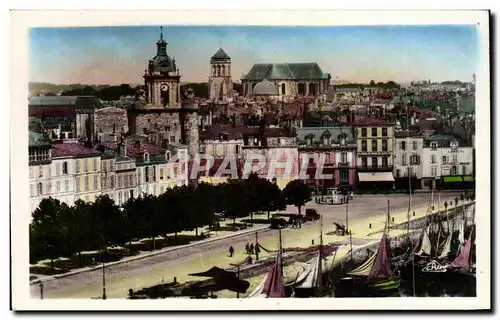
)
(220, 82)
(162, 78)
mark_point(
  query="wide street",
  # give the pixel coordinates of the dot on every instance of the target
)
(167, 265)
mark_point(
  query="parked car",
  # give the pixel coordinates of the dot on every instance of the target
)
(278, 223)
(311, 215)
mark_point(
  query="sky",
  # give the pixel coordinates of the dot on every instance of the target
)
(115, 55)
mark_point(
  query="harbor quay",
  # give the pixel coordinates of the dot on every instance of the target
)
(367, 216)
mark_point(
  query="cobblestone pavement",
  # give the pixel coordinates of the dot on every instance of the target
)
(151, 270)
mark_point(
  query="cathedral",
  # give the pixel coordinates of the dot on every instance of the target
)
(220, 83)
(289, 80)
(159, 113)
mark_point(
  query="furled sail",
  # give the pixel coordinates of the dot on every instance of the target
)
(425, 244)
(461, 235)
(272, 285)
(382, 267)
(365, 268)
(462, 260)
(446, 248)
(310, 277)
(257, 292)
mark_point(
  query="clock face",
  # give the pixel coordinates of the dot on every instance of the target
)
(164, 87)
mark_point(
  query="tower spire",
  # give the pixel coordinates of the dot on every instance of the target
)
(161, 32)
(220, 43)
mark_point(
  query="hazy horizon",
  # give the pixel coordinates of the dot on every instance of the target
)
(115, 55)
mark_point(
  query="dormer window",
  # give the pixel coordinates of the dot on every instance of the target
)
(146, 157)
(309, 139)
(454, 145)
(326, 137)
(434, 145)
(167, 155)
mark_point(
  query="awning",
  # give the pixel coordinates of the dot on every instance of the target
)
(375, 176)
(468, 178)
(452, 179)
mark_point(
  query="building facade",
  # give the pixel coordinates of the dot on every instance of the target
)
(447, 162)
(407, 159)
(63, 171)
(374, 139)
(336, 148)
(40, 162)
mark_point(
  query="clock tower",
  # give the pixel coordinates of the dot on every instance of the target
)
(162, 79)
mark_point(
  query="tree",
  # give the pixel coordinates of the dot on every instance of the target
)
(79, 229)
(132, 221)
(272, 198)
(48, 231)
(234, 206)
(106, 220)
(297, 193)
(372, 83)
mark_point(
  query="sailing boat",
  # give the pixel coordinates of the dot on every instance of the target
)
(272, 285)
(376, 274)
(307, 283)
(463, 262)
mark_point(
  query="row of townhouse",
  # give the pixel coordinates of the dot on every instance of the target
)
(367, 153)
(436, 161)
(71, 171)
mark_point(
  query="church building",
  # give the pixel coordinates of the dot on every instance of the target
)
(290, 79)
(220, 83)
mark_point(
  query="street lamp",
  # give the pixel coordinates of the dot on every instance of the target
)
(103, 277)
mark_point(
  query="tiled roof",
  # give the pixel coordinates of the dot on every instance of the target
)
(237, 132)
(444, 140)
(285, 71)
(341, 90)
(220, 55)
(318, 132)
(360, 121)
(51, 111)
(74, 149)
(60, 100)
(133, 150)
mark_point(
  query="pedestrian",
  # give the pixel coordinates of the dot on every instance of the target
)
(231, 251)
(257, 249)
(247, 248)
(93, 261)
(251, 248)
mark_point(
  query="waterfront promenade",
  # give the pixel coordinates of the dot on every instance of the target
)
(151, 269)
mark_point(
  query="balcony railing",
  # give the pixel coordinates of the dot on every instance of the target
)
(342, 164)
(374, 168)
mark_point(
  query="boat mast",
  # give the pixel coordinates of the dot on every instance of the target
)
(347, 225)
(409, 210)
(320, 263)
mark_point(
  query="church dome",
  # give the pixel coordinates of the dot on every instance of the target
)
(220, 55)
(265, 88)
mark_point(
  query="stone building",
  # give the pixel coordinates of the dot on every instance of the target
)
(447, 162)
(110, 121)
(407, 153)
(335, 149)
(291, 79)
(220, 83)
(158, 112)
(40, 159)
(374, 153)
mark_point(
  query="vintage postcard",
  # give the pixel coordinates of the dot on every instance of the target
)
(243, 160)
